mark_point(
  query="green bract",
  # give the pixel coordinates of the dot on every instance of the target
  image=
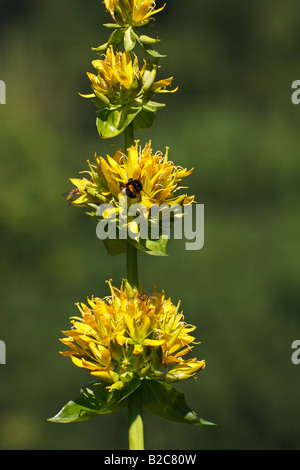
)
(158, 398)
(130, 36)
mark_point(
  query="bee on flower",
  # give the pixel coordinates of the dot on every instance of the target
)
(151, 178)
(139, 182)
(121, 336)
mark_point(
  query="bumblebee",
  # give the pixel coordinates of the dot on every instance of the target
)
(132, 188)
(71, 195)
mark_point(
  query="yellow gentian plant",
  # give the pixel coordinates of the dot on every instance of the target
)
(133, 343)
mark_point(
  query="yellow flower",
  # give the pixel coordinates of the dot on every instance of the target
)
(131, 12)
(158, 179)
(130, 334)
(120, 81)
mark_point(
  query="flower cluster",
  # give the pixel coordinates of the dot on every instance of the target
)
(131, 12)
(159, 178)
(130, 333)
(120, 80)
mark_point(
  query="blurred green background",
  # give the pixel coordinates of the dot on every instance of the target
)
(233, 121)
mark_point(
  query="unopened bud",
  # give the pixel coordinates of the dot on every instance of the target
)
(185, 371)
(145, 370)
(101, 97)
(149, 78)
(95, 194)
(147, 40)
(101, 48)
(129, 290)
(119, 385)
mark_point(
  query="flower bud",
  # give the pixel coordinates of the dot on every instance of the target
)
(149, 78)
(101, 48)
(129, 290)
(102, 98)
(106, 376)
(185, 370)
(119, 385)
(145, 370)
(147, 40)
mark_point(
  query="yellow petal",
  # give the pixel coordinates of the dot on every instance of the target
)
(105, 376)
(138, 349)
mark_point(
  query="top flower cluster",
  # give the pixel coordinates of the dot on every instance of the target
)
(122, 90)
(131, 12)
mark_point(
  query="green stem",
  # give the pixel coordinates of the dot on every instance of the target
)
(132, 266)
(128, 136)
(135, 421)
(135, 402)
(131, 251)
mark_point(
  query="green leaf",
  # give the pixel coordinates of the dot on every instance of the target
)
(95, 400)
(112, 122)
(116, 38)
(129, 40)
(154, 105)
(152, 52)
(147, 115)
(151, 247)
(112, 25)
(130, 387)
(165, 401)
(115, 247)
(155, 247)
(144, 119)
(146, 43)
